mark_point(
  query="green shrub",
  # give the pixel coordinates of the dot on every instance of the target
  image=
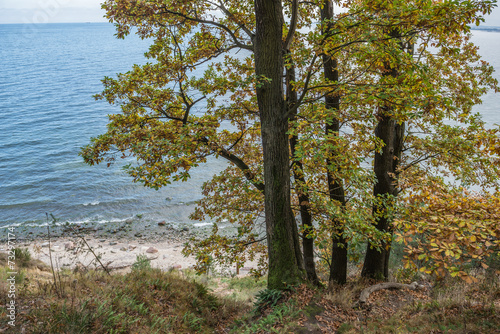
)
(267, 298)
(141, 263)
(23, 257)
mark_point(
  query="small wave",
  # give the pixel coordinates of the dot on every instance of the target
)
(202, 224)
(66, 222)
(91, 203)
(11, 225)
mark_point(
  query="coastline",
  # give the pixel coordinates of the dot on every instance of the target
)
(116, 244)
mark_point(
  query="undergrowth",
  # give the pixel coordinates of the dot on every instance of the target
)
(147, 300)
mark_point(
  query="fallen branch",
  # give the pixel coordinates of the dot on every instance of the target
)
(389, 285)
(125, 265)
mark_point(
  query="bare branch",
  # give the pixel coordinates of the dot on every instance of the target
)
(293, 25)
(229, 14)
(213, 23)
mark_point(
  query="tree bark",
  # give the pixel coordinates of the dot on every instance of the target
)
(376, 263)
(338, 268)
(283, 252)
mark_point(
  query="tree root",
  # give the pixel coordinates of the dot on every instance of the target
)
(381, 286)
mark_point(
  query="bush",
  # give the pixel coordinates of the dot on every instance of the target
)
(23, 257)
(267, 298)
(141, 263)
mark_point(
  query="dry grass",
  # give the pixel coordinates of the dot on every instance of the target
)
(448, 307)
(150, 301)
(143, 301)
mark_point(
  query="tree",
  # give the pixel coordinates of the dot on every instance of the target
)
(300, 111)
(338, 267)
(285, 258)
(456, 66)
(159, 124)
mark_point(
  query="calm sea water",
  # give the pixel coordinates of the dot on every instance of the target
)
(48, 74)
(47, 113)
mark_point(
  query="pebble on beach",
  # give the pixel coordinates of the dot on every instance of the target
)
(152, 250)
(69, 245)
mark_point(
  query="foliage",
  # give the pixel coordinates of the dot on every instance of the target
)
(141, 263)
(22, 256)
(267, 298)
(279, 316)
(452, 230)
(409, 62)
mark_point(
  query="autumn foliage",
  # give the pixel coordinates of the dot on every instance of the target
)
(375, 102)
(446, 232)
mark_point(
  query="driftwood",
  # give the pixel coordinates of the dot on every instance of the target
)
(389, 285)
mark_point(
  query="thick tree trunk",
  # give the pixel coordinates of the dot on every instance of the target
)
(338, 269)
(300, 181)
(284, 263)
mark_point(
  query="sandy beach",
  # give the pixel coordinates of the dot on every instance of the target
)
(117, 245)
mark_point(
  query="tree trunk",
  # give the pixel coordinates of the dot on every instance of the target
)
(376, 263)
(338, 268)
(284, 263)
(385, 191)
(300, 181)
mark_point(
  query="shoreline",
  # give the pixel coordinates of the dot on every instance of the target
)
(116, 244)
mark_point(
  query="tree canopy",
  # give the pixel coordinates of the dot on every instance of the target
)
(339, 128)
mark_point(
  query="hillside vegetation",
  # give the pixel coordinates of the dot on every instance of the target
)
(147, 300)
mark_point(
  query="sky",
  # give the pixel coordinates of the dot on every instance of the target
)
(51, 11)
(61, 11)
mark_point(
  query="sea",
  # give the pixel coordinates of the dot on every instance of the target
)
(48, 76)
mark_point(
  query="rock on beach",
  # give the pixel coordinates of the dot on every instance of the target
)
(152, 250)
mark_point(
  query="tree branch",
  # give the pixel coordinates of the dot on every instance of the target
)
(293, 26)
(213, 23)
(229, 14)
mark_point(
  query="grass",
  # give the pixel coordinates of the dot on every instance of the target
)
(240, 289)
(147, 300)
